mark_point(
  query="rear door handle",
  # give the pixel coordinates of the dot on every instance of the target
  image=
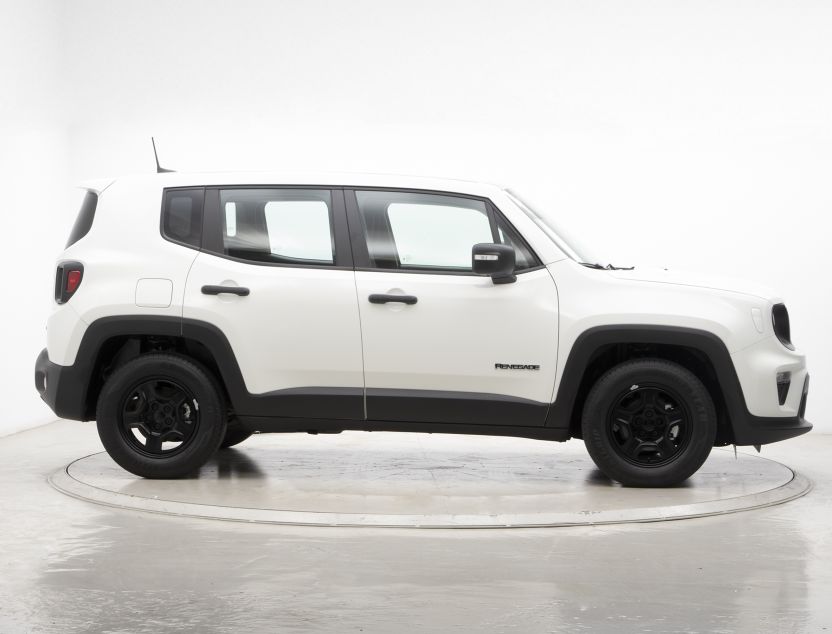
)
(209, 289)
(381, 298)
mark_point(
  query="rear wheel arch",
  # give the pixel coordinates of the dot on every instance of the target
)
(111, 342)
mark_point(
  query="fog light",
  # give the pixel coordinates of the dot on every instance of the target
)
(784, 380)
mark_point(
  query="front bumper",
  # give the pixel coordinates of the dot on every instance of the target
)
(762, 430)
(762, 414)
(61, 388)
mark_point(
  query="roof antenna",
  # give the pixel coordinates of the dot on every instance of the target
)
(159, 168)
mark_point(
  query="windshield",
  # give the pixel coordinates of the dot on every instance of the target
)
(575, 249)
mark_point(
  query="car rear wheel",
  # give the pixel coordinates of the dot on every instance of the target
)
(161, 416)
(649, 423)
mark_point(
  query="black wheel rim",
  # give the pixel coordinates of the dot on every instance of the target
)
(159, 417)
(649, 425)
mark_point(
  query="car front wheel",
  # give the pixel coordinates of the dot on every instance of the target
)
(649, 423)
(161, 416)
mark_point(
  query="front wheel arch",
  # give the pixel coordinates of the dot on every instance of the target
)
(598, 349)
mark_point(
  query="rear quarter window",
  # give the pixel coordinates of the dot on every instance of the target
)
(182, 216)
(83, 223)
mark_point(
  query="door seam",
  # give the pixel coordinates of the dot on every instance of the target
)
(361, 339)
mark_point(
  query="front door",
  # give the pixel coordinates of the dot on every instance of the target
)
(441, 344)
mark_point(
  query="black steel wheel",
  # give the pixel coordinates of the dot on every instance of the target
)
(161, 416)
(649, 423)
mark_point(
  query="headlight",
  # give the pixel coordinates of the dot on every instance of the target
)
(780, 321)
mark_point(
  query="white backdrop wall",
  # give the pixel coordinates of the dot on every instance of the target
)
(679, 134)
(33, 179)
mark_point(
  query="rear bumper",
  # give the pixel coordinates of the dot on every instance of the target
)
(759, 430)
(60, 388)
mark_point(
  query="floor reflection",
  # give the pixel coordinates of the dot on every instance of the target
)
(404, 482)
(72, 566)
(726, 575)
(232, 463)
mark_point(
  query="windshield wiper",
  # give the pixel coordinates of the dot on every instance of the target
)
(608, 267)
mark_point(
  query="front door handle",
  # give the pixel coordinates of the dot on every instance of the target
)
(209, 289)
(381, 298)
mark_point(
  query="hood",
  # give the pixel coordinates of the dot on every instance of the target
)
(683, 278)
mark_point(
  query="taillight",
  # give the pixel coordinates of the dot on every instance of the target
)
(73, 279)
(67, 280)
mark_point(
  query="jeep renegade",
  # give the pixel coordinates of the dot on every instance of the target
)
(194, 310)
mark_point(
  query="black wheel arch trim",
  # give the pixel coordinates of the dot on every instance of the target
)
(66, 388)
(746, 428)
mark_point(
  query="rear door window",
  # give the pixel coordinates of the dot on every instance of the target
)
(281, 226)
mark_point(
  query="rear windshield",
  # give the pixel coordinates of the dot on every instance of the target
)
(83, 223)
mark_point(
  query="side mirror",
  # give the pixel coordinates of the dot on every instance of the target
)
(496, 260)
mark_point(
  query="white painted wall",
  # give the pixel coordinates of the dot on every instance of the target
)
(689, 135)
(34, 186)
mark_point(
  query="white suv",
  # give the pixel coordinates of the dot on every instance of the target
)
(193, 310)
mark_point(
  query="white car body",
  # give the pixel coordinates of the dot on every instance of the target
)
(309, 332)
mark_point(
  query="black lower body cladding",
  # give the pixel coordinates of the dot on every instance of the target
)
(70, 390)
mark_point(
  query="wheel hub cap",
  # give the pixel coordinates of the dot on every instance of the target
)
(159, 411)
(648, 425)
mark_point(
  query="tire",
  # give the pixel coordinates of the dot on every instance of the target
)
(649, 423)
(156, 400)
(234, 437)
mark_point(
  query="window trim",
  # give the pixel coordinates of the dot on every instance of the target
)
(358, 240)
(500, 216)
(84, 219)
(351, 251)
(165, 192)
(212, 241)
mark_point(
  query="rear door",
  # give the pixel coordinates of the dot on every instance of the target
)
(275, 276)
(457, 348)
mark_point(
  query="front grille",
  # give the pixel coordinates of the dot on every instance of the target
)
(782, 328)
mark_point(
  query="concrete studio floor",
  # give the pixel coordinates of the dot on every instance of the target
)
(69, 565)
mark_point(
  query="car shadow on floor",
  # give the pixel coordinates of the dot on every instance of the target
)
(230, 463)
